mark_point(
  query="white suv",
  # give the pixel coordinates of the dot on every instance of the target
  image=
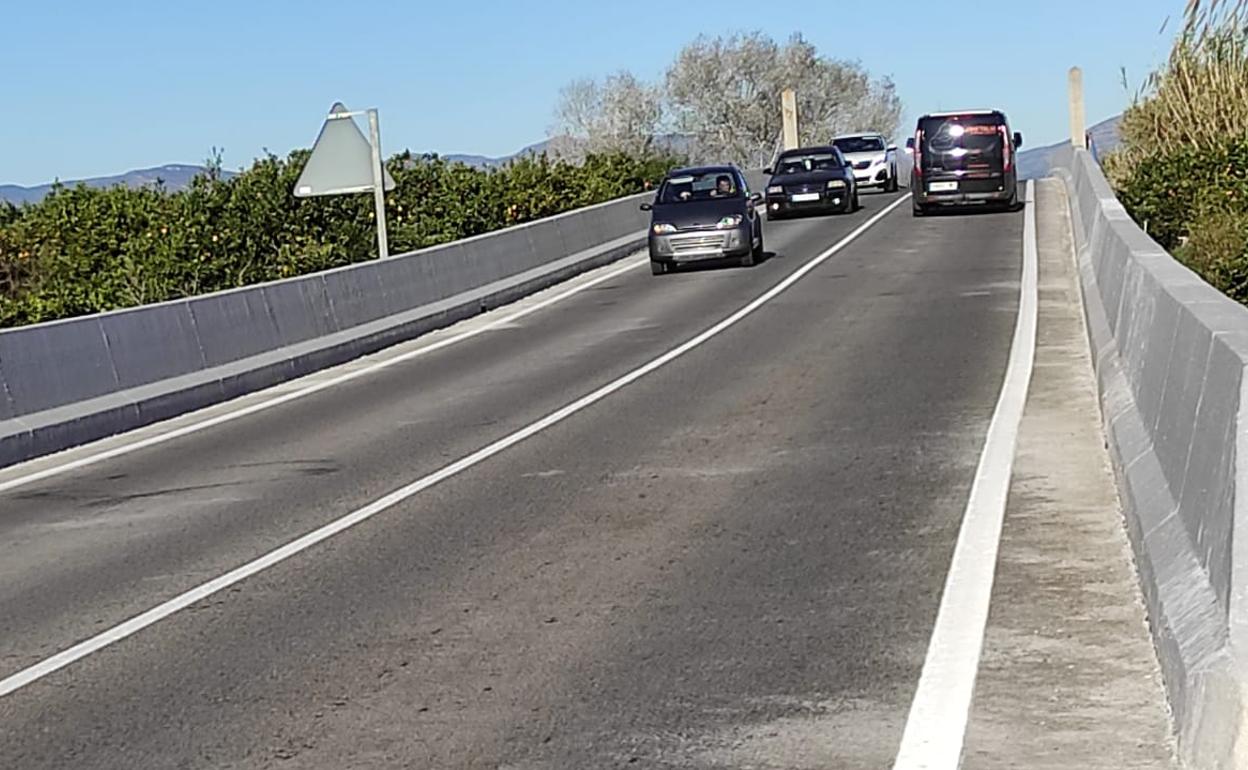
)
(873, 158)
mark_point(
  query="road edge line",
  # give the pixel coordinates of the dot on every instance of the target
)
(935, 732)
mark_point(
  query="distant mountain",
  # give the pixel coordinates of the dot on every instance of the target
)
(677, 143)
(482, 161)
(178, 177)
(173, 177)
(1034, 164)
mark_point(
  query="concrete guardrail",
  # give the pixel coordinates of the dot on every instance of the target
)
(68, 382)
(1170, 354)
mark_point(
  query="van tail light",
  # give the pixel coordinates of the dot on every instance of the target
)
(1006, 152)
(918, 153)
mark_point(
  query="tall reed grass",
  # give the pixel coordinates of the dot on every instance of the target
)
(1199, 98)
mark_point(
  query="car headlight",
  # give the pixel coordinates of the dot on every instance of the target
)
(775, 190)
(729, 222)
(836, 184)
(663, 229)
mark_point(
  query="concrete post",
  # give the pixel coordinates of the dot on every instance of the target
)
(1078, 121)
(789, 110)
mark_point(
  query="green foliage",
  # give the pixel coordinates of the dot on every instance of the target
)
(1183, 170)
(85, 250)
(1167, 192)
(1218, 250)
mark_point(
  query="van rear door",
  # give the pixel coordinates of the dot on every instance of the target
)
(974, 149)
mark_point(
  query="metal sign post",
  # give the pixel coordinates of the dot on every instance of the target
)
(379, 184)
(343, 162)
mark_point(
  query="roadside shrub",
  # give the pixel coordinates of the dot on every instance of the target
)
(1167, 193)
(84, 250)
(1218, 250)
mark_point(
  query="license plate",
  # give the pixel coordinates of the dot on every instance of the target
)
(942, 187)
(805, 197)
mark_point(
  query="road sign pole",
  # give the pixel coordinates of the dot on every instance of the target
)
(379, 185)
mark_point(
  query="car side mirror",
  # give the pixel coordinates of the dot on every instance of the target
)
(1018, 140)
(647, 207)
(769, 171)
(892, 148)
(910, 144)
(756, 197)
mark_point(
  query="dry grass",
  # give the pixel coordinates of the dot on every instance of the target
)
(1199, 98)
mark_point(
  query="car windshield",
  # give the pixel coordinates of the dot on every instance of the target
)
(699, 187)
(801, 164)
(860, 144)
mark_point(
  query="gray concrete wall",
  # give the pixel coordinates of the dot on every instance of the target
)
(69, 382)
(1170, 354)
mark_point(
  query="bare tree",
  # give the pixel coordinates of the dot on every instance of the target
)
(621, 114)
(725, 92)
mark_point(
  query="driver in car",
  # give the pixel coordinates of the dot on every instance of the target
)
(724, 187)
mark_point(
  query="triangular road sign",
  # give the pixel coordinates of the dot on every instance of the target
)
(341, 160)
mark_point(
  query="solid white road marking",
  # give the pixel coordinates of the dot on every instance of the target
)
(936, 728)
(184, 600)
(316, 387)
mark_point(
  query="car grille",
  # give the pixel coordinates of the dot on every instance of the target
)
(683, 244)
(798, 189)
(862, 165)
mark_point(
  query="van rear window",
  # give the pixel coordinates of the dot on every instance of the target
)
(963, 142)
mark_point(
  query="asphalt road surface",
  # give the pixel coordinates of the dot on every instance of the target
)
(734, 561)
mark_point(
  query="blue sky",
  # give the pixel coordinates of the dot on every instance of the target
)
(96, 88)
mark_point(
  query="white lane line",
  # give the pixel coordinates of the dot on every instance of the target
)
(184, 600)
(936, 728)
(317, 387)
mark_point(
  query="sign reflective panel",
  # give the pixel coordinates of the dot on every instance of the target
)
(341, 160)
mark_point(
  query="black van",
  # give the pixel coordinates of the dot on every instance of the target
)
(963, 158)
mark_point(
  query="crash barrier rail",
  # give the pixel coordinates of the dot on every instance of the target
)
(1170, 355)
(68, 382)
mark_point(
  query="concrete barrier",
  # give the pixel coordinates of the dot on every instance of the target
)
(1170, 354)
(69, 382)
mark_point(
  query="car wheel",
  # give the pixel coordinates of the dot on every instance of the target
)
(892, 185)
(658, 268)
(759, 250)
(920, 210)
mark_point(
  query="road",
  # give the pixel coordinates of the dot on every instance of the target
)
(734, 560)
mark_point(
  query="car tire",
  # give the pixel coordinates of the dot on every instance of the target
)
(920, 210)
(893, 185)
(658, 268)
(759, 251)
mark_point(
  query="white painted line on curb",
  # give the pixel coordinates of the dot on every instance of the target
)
(317, 387)
(184, 600)
(936, 728)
